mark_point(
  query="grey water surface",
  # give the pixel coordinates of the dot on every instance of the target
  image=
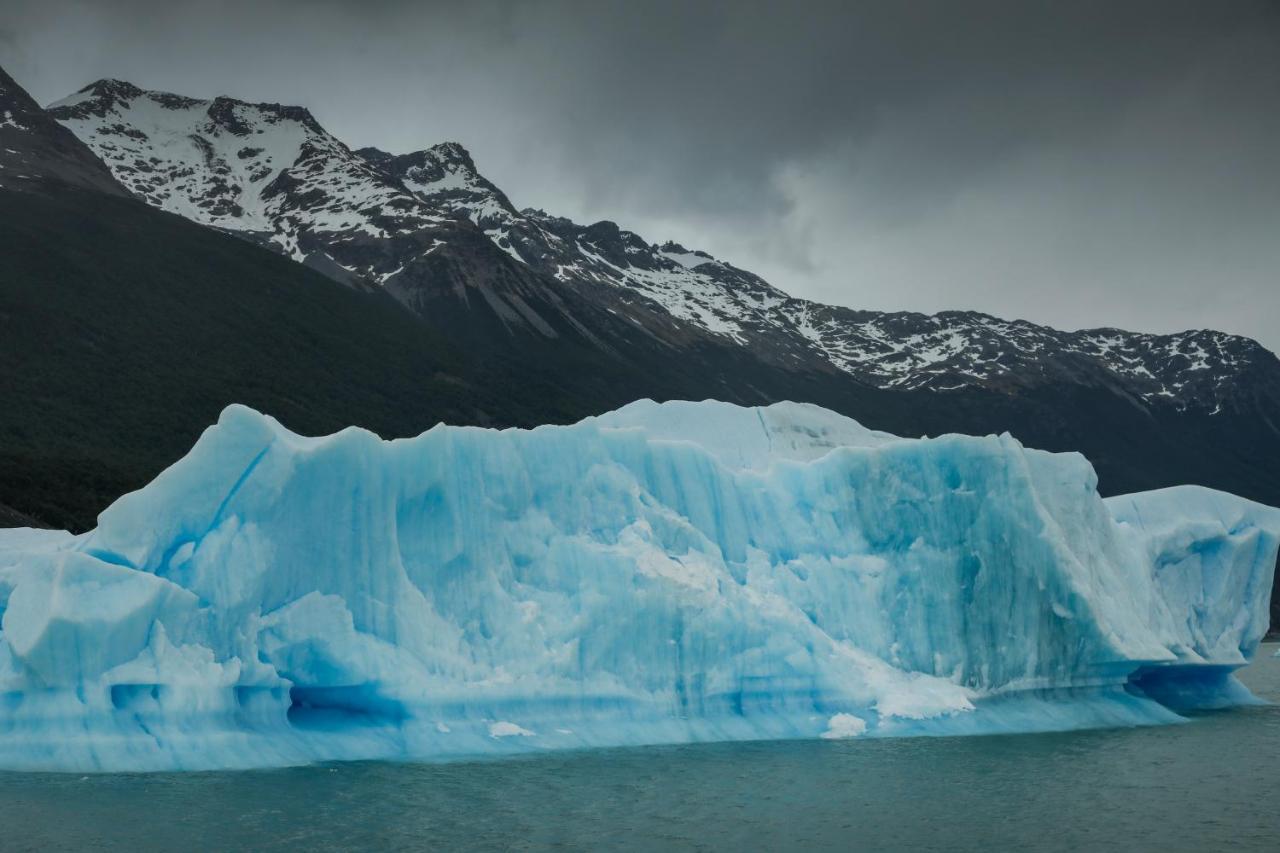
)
(1211, 784)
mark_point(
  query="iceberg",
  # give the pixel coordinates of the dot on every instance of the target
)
(664, 573)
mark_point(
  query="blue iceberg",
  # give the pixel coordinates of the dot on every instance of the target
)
(664, 573)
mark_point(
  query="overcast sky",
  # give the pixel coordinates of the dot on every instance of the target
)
(1072, 163)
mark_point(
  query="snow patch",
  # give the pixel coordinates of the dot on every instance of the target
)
(7, 120)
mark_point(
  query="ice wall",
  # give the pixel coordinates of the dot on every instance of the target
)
(664, 573)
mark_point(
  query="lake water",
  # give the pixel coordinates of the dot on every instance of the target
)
(1210, 784)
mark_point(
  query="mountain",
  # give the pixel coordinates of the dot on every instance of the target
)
(272, 175)
(542, 319)
(125, 330)
(36, 152)
(408, 223)
(887, 350)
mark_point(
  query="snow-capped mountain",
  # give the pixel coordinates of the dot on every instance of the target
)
(710, 299)
(266, 170)
(273, 174)
(888, 350)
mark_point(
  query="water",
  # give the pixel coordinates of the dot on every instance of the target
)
(1205, 785)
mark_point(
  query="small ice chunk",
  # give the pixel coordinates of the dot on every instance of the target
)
(843, 726)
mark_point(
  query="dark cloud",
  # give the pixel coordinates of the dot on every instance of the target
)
(1089, 163)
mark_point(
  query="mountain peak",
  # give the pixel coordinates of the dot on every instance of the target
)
(229, 113)
(373, 156)
(107, 95)
(453, 152)
(428, 163)
(235, 164)
(97, 99)
(445, 176)
(112, 88)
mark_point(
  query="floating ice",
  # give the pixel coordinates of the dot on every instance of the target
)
(664, 573)
(843, 726)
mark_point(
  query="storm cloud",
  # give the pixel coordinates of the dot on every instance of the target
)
(1078, 164)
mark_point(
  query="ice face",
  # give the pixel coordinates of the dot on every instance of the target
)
(664, 573)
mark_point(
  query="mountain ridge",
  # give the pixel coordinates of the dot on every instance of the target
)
(666, 290)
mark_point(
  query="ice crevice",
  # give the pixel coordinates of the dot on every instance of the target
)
(663, 573)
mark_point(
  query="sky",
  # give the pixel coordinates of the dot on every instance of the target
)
(1079, 164)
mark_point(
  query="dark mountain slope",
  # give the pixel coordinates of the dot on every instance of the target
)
(38, 152)
(125, 330)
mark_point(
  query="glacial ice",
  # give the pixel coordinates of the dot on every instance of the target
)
(664, 573)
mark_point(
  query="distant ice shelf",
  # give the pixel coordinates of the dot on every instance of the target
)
(664, 573)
